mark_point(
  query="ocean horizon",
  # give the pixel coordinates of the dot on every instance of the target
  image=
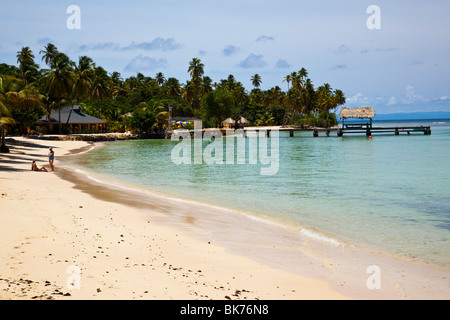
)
(389, 192)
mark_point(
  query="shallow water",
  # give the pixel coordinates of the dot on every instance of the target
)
(390, 191)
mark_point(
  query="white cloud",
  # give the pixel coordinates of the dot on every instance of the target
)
(230, 50)
(156, 44)
(140, 63)
(265, 38)
(412, 97)
(392, 100)
(282, 64)
(253, 61)
(343, 49)
(359, 99)
(339, 67)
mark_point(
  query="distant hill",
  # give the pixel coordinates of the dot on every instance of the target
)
(412, 116)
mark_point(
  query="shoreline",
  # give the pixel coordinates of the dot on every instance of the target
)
(339, 272)
(316, 253)
(50, 230)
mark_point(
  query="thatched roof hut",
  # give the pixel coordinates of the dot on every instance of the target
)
(358, 113)
(244, 121)
(228, 121)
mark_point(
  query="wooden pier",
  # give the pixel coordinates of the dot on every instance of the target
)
(362, 128)
(346, 128)
(369, 130)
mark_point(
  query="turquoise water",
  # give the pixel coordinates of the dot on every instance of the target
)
(391, 191)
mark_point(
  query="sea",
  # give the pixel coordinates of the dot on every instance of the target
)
(388, 191)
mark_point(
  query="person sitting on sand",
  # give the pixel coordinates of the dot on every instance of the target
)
(34, 167)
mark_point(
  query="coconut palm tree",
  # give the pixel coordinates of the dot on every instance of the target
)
(206, 85)
(172, 87)
(188, 93)
(339, 97)
(256, 80)
(58, 80)
(117, 86)
(100, 87)
(49, 53)
(160, 78)
(265, 119)
(7, 86)
(27, 66)
(82, 80)
(162, 118)
(25, 55)
(196, 71)
(16, 94)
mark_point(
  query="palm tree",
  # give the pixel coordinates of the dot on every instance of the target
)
(25, 55)
(27, 66)
(256, 80)
(339, 97)
(7, 86)
(265, 119)
(117, 86)
(196, 69)
(59, 80)
(162, 118)
(288, 80)
(172, 87)
(14, 95)
(82, 80)
(5, 118)
(206, 85)
(188, 92)
(50, 51)
(160, 78)
(99, 88)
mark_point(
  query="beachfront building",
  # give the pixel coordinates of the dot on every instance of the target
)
(74, 121)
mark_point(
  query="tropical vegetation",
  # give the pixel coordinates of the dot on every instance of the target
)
(141, 103)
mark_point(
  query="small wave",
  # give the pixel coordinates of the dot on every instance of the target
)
(321, 237)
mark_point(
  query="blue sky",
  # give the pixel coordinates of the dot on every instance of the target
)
(401, 67)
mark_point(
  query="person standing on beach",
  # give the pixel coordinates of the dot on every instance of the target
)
(51, 158)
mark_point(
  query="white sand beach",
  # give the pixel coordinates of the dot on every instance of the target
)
(60, 241)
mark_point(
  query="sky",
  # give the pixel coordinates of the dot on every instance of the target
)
(394, 58)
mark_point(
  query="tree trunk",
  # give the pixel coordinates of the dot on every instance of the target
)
(3, 147)
(70, 113)
(59, 115)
